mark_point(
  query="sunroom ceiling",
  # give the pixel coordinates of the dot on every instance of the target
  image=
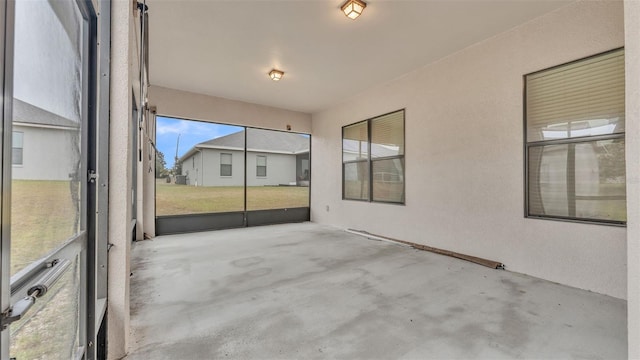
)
(226, 48)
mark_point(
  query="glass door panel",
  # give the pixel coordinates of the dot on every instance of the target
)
(277, 170)
(50, 329)
(48, 193)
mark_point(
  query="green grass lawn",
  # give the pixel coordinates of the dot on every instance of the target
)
(43, 217)
(174, 199)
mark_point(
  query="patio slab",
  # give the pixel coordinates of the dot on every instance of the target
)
(306, 291)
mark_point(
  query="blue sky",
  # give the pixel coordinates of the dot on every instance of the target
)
(191, 133)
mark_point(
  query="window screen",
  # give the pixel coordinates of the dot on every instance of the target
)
(575, 140)
(225, 164)
(373, 159)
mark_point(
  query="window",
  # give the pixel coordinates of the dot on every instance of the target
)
(373, 153)
(261, 165)
(225, 164)
(16, 154)
(575, 124)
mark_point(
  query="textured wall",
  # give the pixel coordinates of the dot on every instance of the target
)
(193, 106)
(464, 155)
(123, 69)
(281, 169)
(632, 51)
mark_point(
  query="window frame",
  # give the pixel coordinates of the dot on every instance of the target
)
(258, 166)
(230, 165)
(369, 161)
(571, 141)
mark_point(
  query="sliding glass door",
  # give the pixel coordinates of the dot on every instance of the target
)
(45, 185)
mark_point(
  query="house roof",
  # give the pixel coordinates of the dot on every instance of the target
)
(258, 140)
(26, 113)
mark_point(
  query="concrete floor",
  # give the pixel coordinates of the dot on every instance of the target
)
(305, 291)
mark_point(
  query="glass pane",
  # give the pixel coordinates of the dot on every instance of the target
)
(16, 156)
(356, 180)
(583, 180)
(277, 169)
(387, 135)
(226, 164)
(583, 98)
(50, 328)
(388, 180)
(199, 167)
(46, 187)
(355, 142)
(17, 139)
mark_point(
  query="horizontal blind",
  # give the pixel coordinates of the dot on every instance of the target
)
(355, 142)
(356, 132)
(585, 94)
(387, 135)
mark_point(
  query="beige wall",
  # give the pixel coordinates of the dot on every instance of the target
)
(123, 74)
(193, 106)
(632, 51)
(464, 155)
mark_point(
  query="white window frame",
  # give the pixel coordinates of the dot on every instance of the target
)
(258, 166)
(224, 164)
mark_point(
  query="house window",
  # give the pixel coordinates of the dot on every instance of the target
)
(225, 164)
(261, 165)
(373, 159)
(16, 154)
(574, 151)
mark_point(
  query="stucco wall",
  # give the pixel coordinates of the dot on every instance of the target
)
(187, 105)
(124, 70)
(211, 168)
(632, 52)
(281, 169)
(204, 167)
(464, 155)
(191, 169)
(47, 154)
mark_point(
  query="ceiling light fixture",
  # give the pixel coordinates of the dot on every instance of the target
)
(276, 75)
(353, 8)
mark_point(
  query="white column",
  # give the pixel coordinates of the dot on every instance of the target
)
(120, 157)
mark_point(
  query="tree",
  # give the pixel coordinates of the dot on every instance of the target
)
(177, 168)
(161, 165)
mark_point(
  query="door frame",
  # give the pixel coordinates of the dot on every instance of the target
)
(91, 243)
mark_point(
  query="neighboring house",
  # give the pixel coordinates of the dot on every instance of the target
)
(273, 158)
(45, 145)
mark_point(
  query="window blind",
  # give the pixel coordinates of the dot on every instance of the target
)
(387, 135)
(578, 99)
(355, 142)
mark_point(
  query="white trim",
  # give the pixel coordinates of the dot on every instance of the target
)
(42, 126)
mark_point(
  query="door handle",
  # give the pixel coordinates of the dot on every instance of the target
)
(39, 289)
